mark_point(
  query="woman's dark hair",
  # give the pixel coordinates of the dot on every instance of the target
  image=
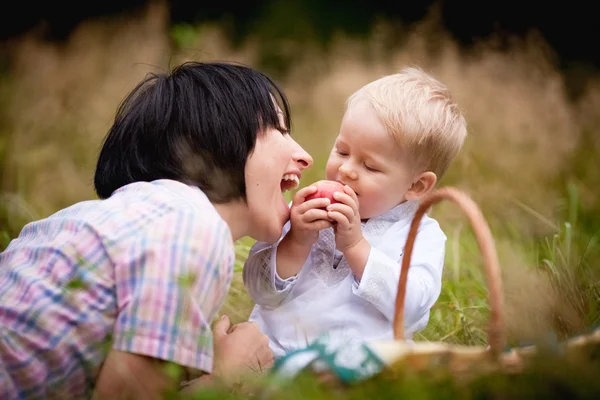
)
(196, 125)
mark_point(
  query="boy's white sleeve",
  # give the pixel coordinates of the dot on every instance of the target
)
(263, 284)
(379, 283)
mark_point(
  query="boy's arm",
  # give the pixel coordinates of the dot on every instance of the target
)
(379, 283)
(291, 256)
(263, 284)
(270, 270)
(357, 257)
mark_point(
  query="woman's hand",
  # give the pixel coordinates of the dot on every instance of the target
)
(239, 350)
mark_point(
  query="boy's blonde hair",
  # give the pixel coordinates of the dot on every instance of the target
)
(419, 112)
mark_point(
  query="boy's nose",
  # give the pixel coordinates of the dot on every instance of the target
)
(347, 171)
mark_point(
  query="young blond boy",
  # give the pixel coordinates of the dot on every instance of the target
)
(336, 269)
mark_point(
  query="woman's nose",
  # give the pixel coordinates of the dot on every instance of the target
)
(301, 157)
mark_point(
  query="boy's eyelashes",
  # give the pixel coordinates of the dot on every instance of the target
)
(371, 168)
(367, 167)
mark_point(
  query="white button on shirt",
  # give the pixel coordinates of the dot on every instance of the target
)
(295, 311)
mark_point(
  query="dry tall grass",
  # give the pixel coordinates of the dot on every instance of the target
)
(60, 99)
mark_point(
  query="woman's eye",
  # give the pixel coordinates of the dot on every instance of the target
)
(342, 153)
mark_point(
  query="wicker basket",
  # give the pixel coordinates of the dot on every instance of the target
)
(460, 358)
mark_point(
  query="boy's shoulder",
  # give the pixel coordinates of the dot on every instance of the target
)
(429, 229)
(429, 223)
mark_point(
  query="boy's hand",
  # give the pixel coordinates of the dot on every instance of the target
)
(348, 232)
(308, 217)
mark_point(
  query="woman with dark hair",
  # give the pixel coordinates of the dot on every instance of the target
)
(195, 159)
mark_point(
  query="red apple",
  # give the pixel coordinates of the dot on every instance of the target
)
(326, 189)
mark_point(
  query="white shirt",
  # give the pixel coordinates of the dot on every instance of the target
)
(295, 311)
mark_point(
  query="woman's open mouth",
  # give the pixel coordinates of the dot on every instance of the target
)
(289, 182)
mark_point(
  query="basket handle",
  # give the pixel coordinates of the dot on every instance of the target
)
(485, 241)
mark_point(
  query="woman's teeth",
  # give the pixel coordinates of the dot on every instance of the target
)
(289, 181)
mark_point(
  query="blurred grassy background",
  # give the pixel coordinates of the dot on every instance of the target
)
(530, 161)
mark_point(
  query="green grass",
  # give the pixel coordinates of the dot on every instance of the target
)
(547, 377)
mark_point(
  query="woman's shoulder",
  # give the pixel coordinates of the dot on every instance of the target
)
(133, 210)
(164, 202)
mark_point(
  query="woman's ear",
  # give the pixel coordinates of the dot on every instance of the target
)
(423, 185)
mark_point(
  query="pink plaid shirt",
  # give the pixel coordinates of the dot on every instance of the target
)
(144, 271)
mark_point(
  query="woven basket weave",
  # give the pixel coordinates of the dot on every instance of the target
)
(462, 357)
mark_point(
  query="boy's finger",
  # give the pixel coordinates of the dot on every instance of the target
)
(301, 194)
(339, 218)
(320, 224)
(343, 209)
(345, 198)
(353, 195)
(318, 203)
(315, 214)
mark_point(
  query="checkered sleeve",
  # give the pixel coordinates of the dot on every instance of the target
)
(171, 279)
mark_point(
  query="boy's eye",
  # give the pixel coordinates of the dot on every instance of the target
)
(371, 168)
(341, 153)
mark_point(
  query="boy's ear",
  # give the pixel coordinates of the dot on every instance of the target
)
(423, 185)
